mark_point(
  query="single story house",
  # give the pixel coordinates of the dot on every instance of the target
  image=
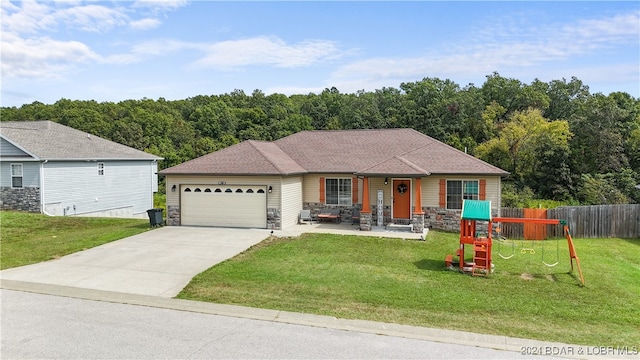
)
(396, 176)
(57, 170)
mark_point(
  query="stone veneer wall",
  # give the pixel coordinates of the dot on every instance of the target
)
(448, 220)
(442, 219)
(345, 211)
(173, 215)
(418, 223)
(25, 199)
(274, 219)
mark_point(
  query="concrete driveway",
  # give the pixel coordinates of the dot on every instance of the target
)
(159, 262)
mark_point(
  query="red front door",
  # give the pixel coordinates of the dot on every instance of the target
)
(401, 199)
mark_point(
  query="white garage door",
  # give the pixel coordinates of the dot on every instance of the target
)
(224, 205)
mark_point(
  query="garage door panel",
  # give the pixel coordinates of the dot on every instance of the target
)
(230, 206)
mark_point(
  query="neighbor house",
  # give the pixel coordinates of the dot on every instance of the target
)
(393, 175)
(57, 170)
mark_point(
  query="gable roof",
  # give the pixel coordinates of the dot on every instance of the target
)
(246, 158)
(48, 140)
(398, 152)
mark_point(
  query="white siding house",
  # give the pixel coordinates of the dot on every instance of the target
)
(51, 168)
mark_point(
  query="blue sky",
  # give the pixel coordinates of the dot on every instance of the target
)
(113, 51)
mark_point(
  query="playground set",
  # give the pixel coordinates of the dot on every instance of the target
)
(482, 265)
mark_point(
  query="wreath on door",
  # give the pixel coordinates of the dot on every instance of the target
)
(402, 188)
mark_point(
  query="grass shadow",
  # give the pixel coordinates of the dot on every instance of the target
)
(430, 264)
(635, 241)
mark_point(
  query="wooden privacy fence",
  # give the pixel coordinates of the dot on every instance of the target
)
(596, 221)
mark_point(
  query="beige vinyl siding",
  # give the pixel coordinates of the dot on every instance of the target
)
(311, 186)
(431, 189)
(291, 200)
(273, 199)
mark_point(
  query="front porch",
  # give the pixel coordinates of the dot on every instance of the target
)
(347, 228)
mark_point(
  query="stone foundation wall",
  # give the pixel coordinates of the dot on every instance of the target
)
(418, 223)
(442, 219)
(25, 199)
(345, 211)
(449, 220)
(365, 221)
(173, 215)
(274, 219)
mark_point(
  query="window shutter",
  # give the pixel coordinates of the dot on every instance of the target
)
(443, 193)
(354, 190)
(322, 190)
(483, 189)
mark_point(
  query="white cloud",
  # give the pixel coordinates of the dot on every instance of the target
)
(618, 28)
(149, 49)
(41, 57)
(263, 50)
(160, 5)
(28, 29)
(28, 18)
(509, 48)
(144, 24)
(93, 18)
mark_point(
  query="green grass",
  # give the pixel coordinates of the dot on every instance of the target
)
(406, 282)
(390, 280)
(27, 238)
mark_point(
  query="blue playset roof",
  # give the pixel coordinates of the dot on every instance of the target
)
(476, 210)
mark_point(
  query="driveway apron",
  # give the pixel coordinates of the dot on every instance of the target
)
(159, 262)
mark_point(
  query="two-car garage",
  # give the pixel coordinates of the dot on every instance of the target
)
(243, 206)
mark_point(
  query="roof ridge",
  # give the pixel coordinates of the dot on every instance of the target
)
(266, 157)
(399, 157)
(416, 167)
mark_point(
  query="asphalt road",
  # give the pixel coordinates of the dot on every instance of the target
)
(46, 326)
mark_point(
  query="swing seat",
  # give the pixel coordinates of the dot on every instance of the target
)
(501, 241)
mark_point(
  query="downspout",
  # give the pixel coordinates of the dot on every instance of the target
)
(42, 202)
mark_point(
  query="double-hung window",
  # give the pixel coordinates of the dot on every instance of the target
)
(100, 169)
(458, 190)
(338, 191)
(16, 176)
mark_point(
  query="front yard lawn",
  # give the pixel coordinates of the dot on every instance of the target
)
(406, 282)
(27, 238)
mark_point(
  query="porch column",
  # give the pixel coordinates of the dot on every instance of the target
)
(365, 213)
(418, 214)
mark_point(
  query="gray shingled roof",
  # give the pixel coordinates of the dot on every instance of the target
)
(364, 152)
(47, 140)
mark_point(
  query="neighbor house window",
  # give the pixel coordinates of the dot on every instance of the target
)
(338, 191)
(457, 190)
(101, 169)
(16, 176)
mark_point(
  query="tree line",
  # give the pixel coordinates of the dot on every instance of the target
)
(559, 142)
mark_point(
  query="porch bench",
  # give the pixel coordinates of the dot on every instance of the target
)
(329, 214)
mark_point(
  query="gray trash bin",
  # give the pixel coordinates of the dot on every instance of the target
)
(155, 217)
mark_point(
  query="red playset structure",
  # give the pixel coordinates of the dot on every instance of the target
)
(482, 265)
